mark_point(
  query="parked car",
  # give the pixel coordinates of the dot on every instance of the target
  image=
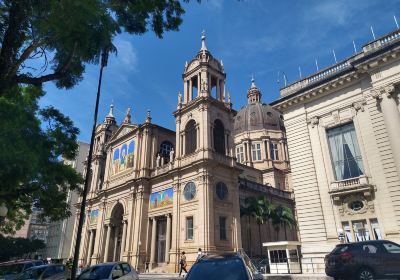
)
(10, 270)
(232, 266)
(367, 260)
(48, 272)
(109, 271)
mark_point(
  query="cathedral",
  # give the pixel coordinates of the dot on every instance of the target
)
(155, 192)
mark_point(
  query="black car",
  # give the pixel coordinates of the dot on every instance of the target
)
(366, 260)
(229, 266)
(10, 270)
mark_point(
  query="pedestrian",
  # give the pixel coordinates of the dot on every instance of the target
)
(182, 263)
(199, 254)
(147, 267)
(69, 263)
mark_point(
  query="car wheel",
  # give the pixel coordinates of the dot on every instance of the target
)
(365, 274)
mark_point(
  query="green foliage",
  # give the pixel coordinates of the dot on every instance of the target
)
(18, 247)
(66, 34)
(32, 142)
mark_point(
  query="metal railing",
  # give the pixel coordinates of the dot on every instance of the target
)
(315, 265)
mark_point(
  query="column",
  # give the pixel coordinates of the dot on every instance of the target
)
(168, 241)
(89, 255)
(116, 233)
(107, 247)
(123, 241)
(391, 117)
(198, 85)
(153, 241)
(190, 90)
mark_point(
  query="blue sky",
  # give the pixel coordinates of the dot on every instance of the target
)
(258, 37)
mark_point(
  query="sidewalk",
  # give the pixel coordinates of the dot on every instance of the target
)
(296, 277)
(266, 276)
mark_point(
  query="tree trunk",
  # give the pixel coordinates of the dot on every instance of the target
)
(251, 249)
(284, 226)
(12, 41)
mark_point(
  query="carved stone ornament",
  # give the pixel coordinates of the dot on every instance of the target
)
(336, 116)
(388, 91)
(359, 105)
(314, 121)
(364, 204)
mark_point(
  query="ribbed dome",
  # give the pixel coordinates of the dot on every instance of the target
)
(256, 116)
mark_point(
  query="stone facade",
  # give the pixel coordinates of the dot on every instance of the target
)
(155, 193)
(343, 131)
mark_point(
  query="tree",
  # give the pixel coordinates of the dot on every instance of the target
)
(18, 247)
(32, 140)
(63, 36)
(66, 34)
(282, 215)
(267, 208)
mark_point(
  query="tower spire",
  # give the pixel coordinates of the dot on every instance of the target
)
(110, 117)
(127, 118)
(253, 94)
(203, 41)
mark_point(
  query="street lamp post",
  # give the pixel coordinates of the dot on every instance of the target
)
(104, 59)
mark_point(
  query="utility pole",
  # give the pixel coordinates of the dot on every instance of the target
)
(104, 59)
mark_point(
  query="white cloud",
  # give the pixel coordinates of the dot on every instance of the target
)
(127, 54)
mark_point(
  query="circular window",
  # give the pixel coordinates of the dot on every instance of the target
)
(189, 192)
(356, 205)
(222, 191)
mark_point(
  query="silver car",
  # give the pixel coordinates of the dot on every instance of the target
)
(109, 271)
(45, 272)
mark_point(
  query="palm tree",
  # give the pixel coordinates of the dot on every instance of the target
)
(282, 215)
(244, 211)
(253, 209)
(267, 210)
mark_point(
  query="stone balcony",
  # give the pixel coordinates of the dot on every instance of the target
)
(353, 185)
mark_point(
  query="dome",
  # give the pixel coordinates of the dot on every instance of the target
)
(256, 116)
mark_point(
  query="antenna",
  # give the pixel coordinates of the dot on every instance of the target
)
(354, 45)
(300, 72)
(277, 81)
(316, 64)
(372, 31)
(334, 55)
(395, 20)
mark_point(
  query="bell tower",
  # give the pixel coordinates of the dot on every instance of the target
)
(204, 155)
(203, 101)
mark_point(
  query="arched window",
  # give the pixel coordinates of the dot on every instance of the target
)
(219, 137)
(165, 149)
(191, 137)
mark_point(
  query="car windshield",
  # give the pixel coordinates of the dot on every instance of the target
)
(340, 249)
(96, 272)
(33, 273)
(11, 269)
(232, 269)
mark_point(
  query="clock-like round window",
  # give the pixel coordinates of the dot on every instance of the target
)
(189, 192)
(356, 205)
(222, 190)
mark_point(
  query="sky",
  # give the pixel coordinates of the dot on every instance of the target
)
(251, 37)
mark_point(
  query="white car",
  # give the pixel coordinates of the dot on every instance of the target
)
(109, 271)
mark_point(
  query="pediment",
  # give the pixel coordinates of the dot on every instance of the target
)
(123, 130)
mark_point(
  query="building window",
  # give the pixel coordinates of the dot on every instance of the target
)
(273, 150)
(222, 190)
(239, 154)
(345, 153)
(222, 228)
(189, 192)
(191, 137)
(278, 256)
(165, 149)
(256, 151)
(219, 137)
(375, 229)
(189, 228)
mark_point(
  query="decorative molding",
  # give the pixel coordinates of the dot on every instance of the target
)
(389, 91)
(313, 121)
(359, 106)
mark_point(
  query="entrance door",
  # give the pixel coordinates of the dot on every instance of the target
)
(161, 237)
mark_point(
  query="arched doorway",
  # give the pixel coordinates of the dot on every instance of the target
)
(116, 230)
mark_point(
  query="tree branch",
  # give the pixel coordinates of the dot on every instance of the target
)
(25, 54)
(24, 79)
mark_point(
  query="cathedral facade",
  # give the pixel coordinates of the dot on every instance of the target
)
(155, 192)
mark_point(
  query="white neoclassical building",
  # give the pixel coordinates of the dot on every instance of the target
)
(343, 130)
(155, 192)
